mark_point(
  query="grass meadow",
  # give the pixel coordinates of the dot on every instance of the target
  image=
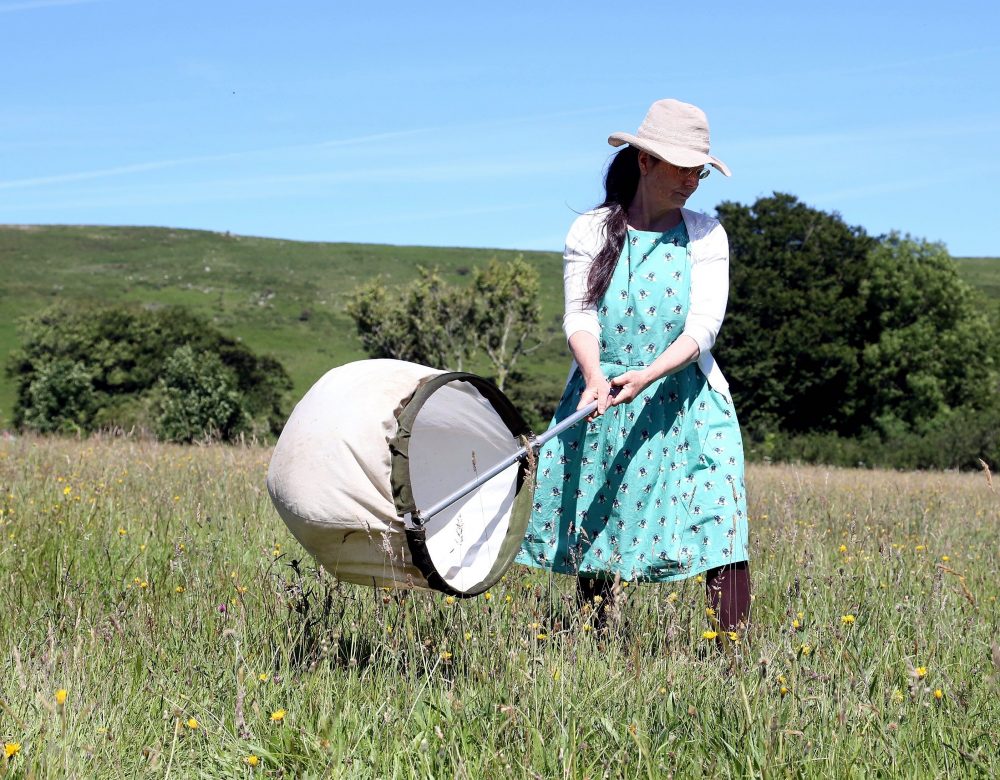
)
(158, 620)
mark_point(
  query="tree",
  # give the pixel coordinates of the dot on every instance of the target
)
(95, 367)
(832, 330)
(197, 397)
(427, 322)
(506, 313)
(793, 333)
(930, 346)
(442, 325)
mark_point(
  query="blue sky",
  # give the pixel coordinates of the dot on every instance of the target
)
(486, 124)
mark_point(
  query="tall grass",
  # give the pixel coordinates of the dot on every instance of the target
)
(192, 637)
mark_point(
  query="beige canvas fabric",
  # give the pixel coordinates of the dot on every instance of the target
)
(329, 473)
(330, 476)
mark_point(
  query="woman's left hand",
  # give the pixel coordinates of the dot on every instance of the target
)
(632, 383)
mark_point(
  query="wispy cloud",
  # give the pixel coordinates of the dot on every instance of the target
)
(124, 170)
(31, 5)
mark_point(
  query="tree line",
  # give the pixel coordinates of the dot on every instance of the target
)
(840, 347)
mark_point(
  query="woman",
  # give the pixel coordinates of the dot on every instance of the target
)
(651, 487)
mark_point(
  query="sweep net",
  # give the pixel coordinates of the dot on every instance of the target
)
(372, 443)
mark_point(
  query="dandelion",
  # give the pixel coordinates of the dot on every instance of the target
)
(179, 589)
(445, 655)
(278, 715)
(938, 694)
(67, 490)
(542, 637)
(847, 619)
(709, 634)
(624, 585)
(806, 649)
(122, 531)
(61, 696)
(468, 635)
(587, 628)
(487, 595)
(796, 624)
(921, 672)
(733, 636)
(449, 600)
(709, 611)
(252, 760)
(263, 677)
(897, 695)
(672, 597)
(699, 579)
(920, 547)
(945, 558)
(783, 690)
(192, 724)
(11, 749)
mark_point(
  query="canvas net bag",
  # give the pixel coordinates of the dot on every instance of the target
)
(373, 442)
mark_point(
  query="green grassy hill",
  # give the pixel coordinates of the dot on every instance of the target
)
(286, 298)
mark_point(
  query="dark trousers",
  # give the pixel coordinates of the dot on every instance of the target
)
(726, 587)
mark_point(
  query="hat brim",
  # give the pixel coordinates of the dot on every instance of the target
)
(675, 155)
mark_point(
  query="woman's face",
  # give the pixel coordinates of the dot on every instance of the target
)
(665, 185)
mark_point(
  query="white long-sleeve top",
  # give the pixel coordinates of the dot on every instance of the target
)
(709, 250)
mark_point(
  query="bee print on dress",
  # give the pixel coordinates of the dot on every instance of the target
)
(623, 295)
(630, 311)
(603, 311)
(651, 276)
(643, 294)
(644, 328)
(651, 311)
(634, 240)
(678, 309)
(677, 275)
(670, 292)
(650, 348)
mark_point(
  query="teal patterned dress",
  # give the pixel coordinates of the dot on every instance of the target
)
(652, 489)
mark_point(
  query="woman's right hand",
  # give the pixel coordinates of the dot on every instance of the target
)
(597, 389)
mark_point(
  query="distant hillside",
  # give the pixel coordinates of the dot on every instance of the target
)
(285, 298)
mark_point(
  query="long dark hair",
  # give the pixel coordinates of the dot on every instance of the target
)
(620, 184)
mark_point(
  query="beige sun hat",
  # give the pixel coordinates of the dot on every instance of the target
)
(673, 131)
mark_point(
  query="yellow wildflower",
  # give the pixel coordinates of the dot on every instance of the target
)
(542, 637)
(179, 589)
(192, 724)
(468, 635)
(449, 600)
(445, 655)
(806, 649)
(67, 490)
(921, 672)
(263, 677)
(945, 558)
(122, 531)
(487, 595)
(709, 611)
(61, 696)
(662, 690)
(252, 760)
(278, 715)
(672, 597)
(847, 619)
(842, 548)
(699, 579)
(796, 624)
(920, 547)
(11, 749)
(938, 694)
(783, 690)
(733, 636)
(709, 634)
(897, 695)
